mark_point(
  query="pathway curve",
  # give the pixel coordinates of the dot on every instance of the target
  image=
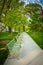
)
(29, 50)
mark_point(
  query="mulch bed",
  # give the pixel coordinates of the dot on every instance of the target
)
(4, 41)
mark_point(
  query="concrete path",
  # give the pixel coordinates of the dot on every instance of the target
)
(29, 50)
(37, 60)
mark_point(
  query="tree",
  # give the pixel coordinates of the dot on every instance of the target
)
(36, 22)
(34, 11)
(17, 18)
(6, 6)
(33, 8)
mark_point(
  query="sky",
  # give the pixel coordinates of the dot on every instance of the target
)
(32, 1)
(41, 1)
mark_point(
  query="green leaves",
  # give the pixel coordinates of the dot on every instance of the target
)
(33, 8)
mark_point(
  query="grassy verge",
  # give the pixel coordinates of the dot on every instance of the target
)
(38, 37)
(7, 35)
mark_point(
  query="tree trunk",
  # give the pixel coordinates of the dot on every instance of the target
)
(10, 29)
(24, 28)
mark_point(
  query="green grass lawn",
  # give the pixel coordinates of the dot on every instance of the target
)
(7, 35)
(38, 37)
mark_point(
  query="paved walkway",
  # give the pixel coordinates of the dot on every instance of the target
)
(37, 60)
(28, 52)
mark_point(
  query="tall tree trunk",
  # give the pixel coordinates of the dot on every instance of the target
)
(10, 29)
(24, 28)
